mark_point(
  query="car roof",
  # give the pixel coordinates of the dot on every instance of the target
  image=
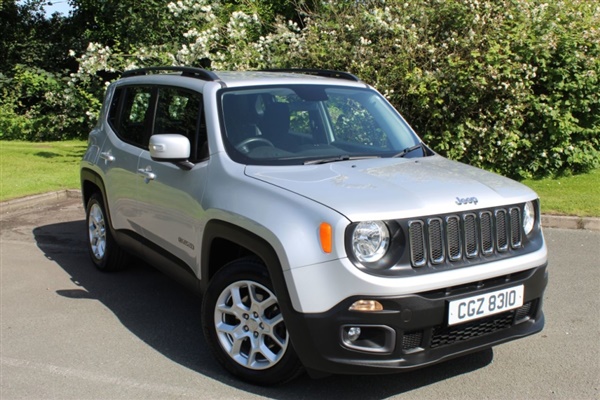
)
(250, 78)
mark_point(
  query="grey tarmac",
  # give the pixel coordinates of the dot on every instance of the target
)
(71, 332)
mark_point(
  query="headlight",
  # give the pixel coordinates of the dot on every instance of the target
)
(370, 241)
(528, 217)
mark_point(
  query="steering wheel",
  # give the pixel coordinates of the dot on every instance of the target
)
(243, 145)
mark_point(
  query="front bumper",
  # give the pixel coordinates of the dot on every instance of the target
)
(412, 331)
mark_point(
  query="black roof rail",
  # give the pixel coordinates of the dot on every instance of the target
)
(328, 73)
(185, 71)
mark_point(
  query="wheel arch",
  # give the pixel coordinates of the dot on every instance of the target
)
(91, 183)
(224, 242)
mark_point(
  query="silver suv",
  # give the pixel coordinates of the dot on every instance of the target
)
(323, 234)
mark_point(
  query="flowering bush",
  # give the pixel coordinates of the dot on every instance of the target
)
(505, 85)
(510, 86)
(39, 105)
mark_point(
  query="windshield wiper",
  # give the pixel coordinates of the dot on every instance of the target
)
(344, 157)
(409, 150)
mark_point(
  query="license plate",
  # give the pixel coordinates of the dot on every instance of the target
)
(475, 307)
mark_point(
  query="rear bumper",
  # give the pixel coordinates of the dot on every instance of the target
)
(413, 330)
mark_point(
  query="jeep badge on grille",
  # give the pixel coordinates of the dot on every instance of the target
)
(466, 200)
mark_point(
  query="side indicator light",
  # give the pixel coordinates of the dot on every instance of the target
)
(325, 234)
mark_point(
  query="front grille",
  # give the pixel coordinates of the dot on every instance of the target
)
(454, 238)
(523, 313)
(447, 335)
(444, 335)
(412, 340)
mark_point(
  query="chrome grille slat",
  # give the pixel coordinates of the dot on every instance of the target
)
(501, 230)
(436, 241)
(417, 243)
(515, 227)
(486, 230)
(454, 238)
(471, 236)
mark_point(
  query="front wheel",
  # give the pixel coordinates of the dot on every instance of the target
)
(104, 250)
(244, 326)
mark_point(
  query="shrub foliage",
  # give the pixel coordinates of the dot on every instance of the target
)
(508, 85)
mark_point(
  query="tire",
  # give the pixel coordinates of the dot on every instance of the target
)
(104, 250)
(244, 327)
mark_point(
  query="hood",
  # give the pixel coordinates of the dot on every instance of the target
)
(395, 188)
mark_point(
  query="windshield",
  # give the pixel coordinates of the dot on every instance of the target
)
(308, 124)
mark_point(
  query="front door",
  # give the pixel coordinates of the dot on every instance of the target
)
(169, 197)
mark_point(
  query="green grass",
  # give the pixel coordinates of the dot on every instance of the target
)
(32, 168)
(573, 195)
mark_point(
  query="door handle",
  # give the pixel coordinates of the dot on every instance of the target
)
(107, 157)
(147, 174)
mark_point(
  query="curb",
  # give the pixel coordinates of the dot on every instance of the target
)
(567, 222)
(548, 221)
(38, 200)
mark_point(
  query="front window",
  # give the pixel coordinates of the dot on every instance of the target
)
(300, 124)
(129, 114)
(179, 111)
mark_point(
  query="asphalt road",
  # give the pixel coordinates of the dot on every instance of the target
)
(70, 332)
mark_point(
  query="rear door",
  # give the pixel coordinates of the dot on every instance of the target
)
(129, 121)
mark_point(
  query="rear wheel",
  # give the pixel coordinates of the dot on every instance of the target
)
(244, 326)
(104, 251)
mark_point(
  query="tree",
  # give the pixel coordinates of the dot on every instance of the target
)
(504, 85)
(510, 86)
(27, 37)
(123, 24)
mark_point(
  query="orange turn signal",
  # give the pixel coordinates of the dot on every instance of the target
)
(325, 234)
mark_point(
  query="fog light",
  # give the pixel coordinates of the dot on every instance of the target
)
(368, 338)
(353, 333)
(366, 306)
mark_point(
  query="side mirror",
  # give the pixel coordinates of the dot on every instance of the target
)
(169, 147)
